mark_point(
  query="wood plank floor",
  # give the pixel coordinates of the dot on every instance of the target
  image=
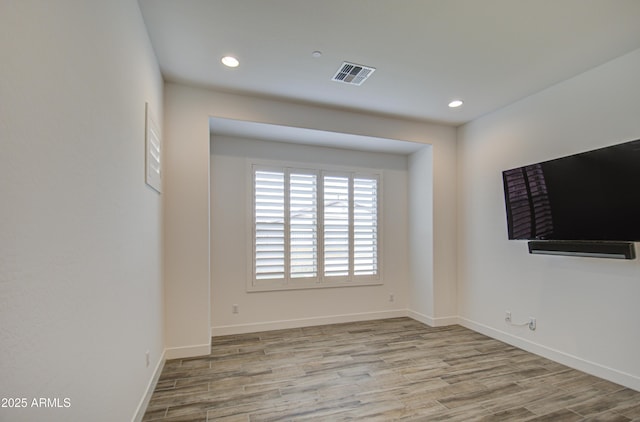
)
(385, 370)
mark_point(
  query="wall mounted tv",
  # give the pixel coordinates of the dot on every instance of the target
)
(592, 196)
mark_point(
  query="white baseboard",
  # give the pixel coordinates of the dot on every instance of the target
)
(188, 351)
(575, 362)
(224, 330)
(431, 321)
(444, 321)
(144, 402)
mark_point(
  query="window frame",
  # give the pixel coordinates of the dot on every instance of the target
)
(320, 281)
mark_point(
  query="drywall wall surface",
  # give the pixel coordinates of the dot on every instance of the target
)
(187, 208)
(420, 215)
(81, 293)
(432, 251)
(445, 241)
(231, 160)
(186, 227)
(586, 308)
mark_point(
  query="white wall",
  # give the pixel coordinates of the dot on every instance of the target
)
(80, 244)
(420, 216)
(432, 251)
(587, 309)
(187, 112)
(186, 225)
(277, 309)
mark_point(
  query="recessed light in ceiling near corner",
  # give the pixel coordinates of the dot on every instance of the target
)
(455, 103)
(230, 61)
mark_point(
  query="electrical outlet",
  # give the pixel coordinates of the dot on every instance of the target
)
(532, 323)
(147, 358)
(235, 309)
(392, 297)
(507, 317)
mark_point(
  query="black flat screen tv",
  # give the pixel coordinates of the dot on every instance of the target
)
(593, 196)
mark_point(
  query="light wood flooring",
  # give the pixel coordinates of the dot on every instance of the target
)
(385, 370)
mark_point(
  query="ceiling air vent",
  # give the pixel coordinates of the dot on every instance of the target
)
(352, 74)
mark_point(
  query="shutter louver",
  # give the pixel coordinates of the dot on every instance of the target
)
(336, 226)
(269, 225)
(365, 230)
(303, 225)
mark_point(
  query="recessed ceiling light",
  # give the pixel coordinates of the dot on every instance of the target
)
(455, 103)
(230, 61)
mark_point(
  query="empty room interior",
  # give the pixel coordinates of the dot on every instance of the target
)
(319, 210)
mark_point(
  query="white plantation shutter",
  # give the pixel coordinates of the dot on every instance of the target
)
(303, 224)
(312, 227)
(336, 225)
(365, 226)
(269, 224)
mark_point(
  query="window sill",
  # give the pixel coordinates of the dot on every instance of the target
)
(280, 286)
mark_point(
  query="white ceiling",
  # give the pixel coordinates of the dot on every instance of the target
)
(489, 53)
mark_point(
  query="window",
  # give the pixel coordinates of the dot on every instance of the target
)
(313, 228)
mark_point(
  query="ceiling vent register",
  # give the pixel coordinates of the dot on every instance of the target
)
(353, 74)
